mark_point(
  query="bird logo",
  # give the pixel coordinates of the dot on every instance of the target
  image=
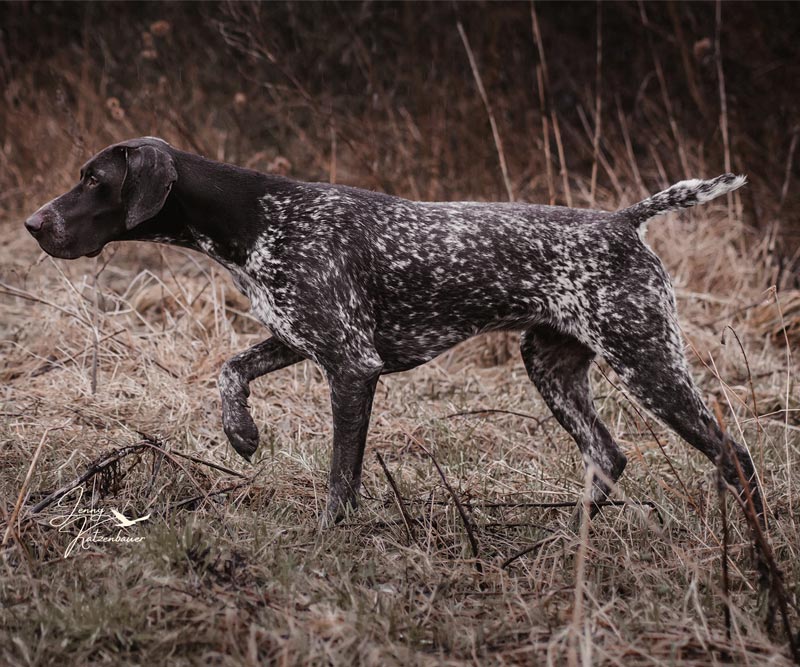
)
(125, 522)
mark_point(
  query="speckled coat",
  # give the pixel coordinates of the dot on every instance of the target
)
(363, 283)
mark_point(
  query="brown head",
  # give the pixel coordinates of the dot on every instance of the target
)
(121, 187)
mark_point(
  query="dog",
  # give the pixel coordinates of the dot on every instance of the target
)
(364, 283)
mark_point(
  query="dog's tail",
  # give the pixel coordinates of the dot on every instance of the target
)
(682, 195)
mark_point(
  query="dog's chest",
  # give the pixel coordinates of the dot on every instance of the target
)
(254, 281)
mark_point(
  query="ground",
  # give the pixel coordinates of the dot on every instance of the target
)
(230, 567)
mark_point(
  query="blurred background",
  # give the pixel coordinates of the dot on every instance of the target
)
(591, 103)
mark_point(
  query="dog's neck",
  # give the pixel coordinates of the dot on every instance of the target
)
(214, 208)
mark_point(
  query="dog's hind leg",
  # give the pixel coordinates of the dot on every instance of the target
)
(234, 380)
(652, 365)
(558, 365)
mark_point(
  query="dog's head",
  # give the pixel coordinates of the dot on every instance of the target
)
(121, 187)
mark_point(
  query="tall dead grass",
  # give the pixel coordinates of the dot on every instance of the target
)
(123, 352)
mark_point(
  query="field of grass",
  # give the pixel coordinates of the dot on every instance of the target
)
(460, 553)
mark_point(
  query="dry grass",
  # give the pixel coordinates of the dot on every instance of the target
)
(234, 570)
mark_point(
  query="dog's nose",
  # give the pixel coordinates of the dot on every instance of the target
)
(34, 223)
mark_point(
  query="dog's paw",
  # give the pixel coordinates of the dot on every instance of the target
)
(328, 519)
(241, 431)
(340, 506)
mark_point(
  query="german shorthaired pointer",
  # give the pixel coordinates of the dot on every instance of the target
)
(363, 283)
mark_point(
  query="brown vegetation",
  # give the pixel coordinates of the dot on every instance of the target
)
(564, 103)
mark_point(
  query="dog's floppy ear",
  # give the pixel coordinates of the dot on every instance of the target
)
(150, 174)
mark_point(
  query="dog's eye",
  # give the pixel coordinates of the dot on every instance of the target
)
(92, 182)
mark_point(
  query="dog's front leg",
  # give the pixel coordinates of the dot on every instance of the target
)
(351, 402)
(234, 380)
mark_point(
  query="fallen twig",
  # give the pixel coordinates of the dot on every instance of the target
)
(195, 459)
(407, 520)
(97, 466)
(553, 505)
(539, 420)
(532, 547)
(464, 518)
(227, 489)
